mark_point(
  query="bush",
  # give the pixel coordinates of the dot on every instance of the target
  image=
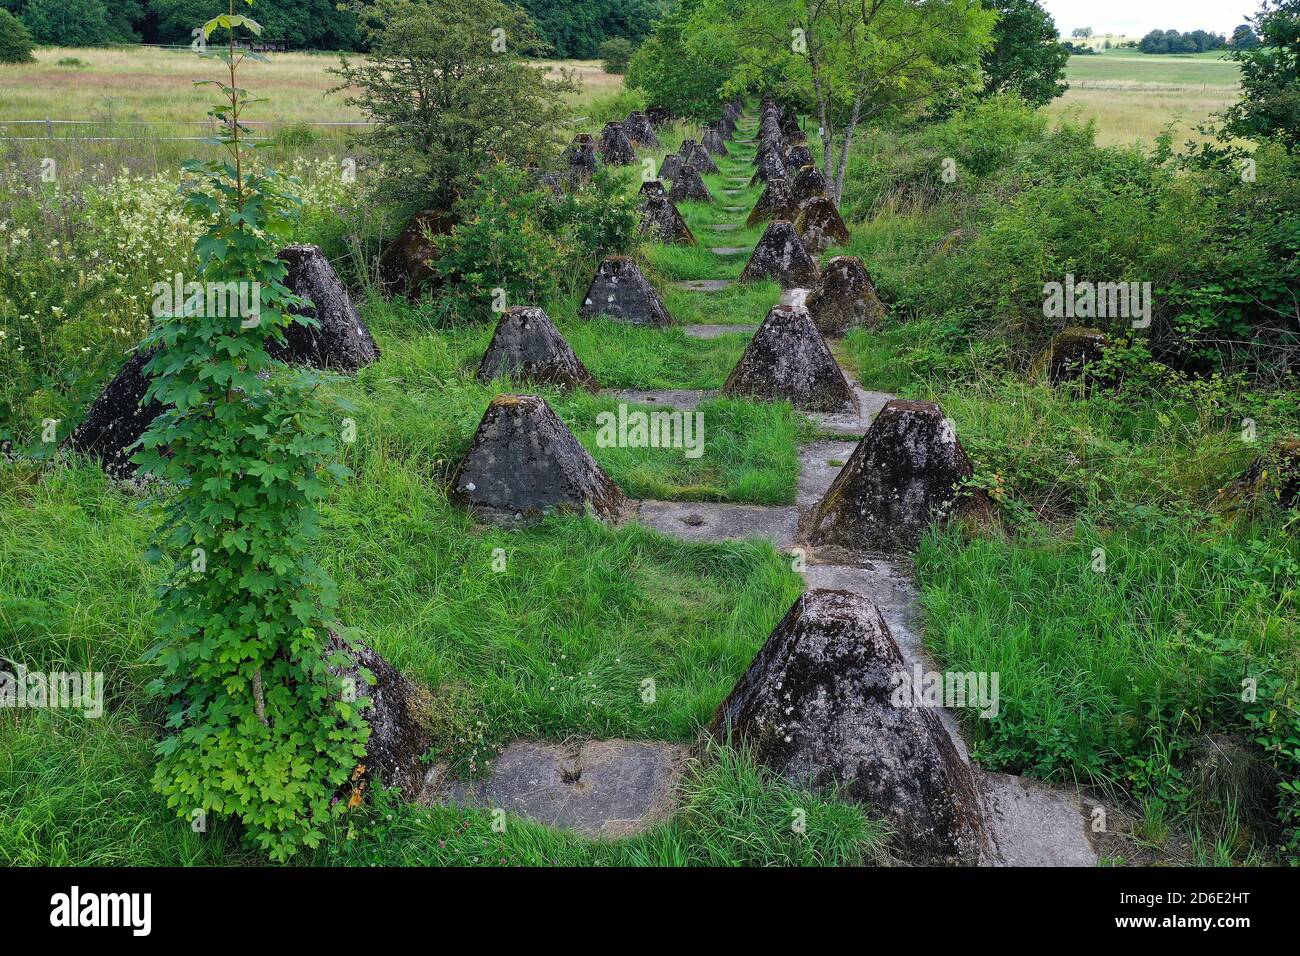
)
(499, 243)
(515, 236)
(615, 54)
(443, 99)
(15, 42)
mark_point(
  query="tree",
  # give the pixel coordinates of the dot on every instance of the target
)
(576, 28)
(449, 89)
(68, 22)
(857, 61)
(1244, 38)
(256, 725)
(15, 42)
(1269, 107)
(307, 24)
(615, 54)
(1027, 57)
(685, 63)
(1081, 33)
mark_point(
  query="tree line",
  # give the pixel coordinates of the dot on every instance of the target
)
(568, 28)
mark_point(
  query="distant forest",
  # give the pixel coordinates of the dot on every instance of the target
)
(574, 28)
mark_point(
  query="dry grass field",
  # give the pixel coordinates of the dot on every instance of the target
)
(156, 85)
(1133, 96)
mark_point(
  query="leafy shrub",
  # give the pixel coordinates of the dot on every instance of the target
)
(257, 727)
(16, 42)
(986, 135)
(615, 54)
(444, 100)
(514, 236)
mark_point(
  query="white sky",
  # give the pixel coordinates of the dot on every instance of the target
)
(1139, 17)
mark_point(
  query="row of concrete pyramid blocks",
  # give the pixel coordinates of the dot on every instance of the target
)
(617, 142)
(906, 472)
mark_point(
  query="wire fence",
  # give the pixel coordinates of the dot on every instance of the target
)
(59, 129)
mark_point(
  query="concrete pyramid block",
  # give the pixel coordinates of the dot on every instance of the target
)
(713, 143)
(798, 156)
(689, 186)
(820, 225)
(615, 147)
(790, 122)
(694, 154)
(117, 419)
(773, 203)
(904, 474)
(340, 341)
(808, 183)
(640, 130)
(406, 264)
(780, 255)
(529, 348)
(818, 707)
(1069, 354)
(651, 189)
(661, 222)
(524, 463)
(400, 717)
(619, 291)
(770, 167)
(671, 167)
(787, 359)
(659, 116)
(844, 298)
(580, 158)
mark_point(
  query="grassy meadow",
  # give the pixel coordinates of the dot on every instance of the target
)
(1134, 96)
(1111, 681)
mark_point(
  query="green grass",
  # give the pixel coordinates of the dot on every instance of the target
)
(81, 797)
(555, 646)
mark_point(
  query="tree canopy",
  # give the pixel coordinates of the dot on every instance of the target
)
(570, 28)
(1027, 57)
(1270, 78)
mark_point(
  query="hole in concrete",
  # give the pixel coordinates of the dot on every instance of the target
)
(693, 520)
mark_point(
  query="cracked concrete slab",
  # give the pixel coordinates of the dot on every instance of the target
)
(854, 421)
(819, 463)
(704, 285)
(706, 331)
(705, 521)
(599, 788)
(684, 399)
(1032, 823)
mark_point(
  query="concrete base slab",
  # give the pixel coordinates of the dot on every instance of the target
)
(819, 463)
(704, 285)
(683, 399)
(600, 788)
(852, 422)
(717, 331)
(1034, 824)
(725, 227)
(734, 209)
(730, 250)
(714, 521)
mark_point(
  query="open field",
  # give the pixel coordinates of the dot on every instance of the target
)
(156, 85)
(1133, 97)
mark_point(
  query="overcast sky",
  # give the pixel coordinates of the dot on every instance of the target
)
(1139, 17)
